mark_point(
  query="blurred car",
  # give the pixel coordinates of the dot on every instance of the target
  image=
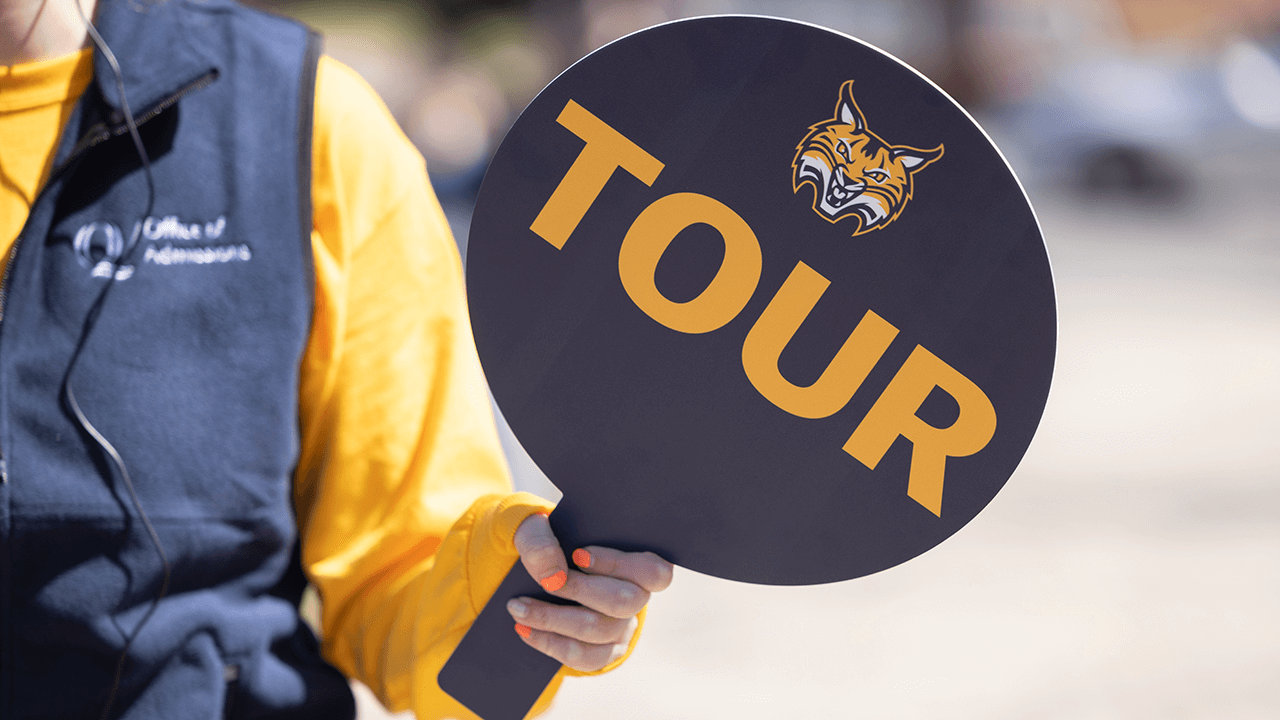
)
(1086, 106)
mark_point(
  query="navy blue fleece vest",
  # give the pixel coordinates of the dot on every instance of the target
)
(191, 371)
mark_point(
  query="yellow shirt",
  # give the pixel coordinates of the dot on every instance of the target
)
(403, 502)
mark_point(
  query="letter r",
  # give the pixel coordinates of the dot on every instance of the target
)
(894, 414)
(606, 150)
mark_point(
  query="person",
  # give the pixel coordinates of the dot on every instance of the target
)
(235, 359)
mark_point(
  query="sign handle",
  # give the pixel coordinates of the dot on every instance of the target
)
(492, 672)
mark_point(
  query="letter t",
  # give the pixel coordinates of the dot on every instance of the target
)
(606, 150)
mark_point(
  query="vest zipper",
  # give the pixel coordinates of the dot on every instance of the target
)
(8, 268)
(101, 131)
(93, 136)
(4, 293)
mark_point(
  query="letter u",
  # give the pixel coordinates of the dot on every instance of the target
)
(778, 324)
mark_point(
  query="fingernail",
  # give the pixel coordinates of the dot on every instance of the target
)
(554, 582)
(544, 513)
(517, 608)
(582, 558)
(523, 631)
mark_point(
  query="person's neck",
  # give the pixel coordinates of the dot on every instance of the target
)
(33, 30)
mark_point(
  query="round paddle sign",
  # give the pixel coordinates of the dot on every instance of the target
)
(760, 298)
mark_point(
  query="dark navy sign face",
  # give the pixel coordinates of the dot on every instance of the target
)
(760, 298)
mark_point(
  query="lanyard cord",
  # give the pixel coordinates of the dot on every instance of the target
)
(90, 321)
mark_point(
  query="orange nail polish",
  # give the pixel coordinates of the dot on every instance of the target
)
(523, 631)
(582, 558)
(554, 582)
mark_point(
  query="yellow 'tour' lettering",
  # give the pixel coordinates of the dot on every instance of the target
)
(649, 237)
(894, 414)
(778, 324)
(606, 150)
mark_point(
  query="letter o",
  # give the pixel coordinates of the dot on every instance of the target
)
(649, 237)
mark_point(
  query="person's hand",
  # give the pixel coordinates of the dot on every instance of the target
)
(610, 585)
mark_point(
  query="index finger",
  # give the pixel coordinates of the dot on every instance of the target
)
(540, 552)
(644, 569)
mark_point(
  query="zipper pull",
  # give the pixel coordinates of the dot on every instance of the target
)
(4, 471)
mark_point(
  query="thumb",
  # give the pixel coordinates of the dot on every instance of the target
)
(540, 553)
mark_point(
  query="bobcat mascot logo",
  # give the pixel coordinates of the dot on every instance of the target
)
(854, 172)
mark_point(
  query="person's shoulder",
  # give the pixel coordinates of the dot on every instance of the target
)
(364, 168)
(337, 81)
(350, 116)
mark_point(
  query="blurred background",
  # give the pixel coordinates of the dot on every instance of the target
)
(1130, 570)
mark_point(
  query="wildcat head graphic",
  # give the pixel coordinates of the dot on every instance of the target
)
(854, 172)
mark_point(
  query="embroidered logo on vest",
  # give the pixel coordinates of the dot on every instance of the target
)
(100, 245)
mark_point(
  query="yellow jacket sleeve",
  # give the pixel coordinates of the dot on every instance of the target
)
(403, 499)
